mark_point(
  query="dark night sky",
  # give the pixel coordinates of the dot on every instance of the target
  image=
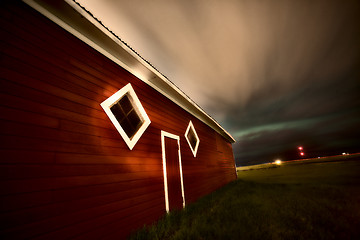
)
(274, 74)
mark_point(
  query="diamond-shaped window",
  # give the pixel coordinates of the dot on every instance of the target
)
(192, 138)
(127, 114)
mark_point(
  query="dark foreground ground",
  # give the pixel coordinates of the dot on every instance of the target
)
(299, 201)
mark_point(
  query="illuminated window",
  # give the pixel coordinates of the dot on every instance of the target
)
(127, 114)
(192, 138)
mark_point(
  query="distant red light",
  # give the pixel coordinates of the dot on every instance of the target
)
(300, 148)
(302, 154)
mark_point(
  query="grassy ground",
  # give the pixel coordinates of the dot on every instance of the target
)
(311, 201)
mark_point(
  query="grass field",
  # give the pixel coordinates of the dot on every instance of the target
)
(301, 201)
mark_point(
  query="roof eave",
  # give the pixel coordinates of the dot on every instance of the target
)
(74, 19)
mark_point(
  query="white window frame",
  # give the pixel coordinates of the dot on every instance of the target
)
(194, 151)
(113, 99)
(163, 150)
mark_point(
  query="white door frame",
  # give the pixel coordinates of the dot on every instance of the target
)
(169, 135)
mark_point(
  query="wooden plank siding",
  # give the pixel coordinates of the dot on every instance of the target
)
(65, 170)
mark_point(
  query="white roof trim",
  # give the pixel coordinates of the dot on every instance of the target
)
(78, 22)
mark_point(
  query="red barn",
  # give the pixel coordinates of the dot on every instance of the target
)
(95, 142)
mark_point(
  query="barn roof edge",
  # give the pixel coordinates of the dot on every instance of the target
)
(75, 19)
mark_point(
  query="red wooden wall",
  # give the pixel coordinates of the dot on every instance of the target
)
(65, 170)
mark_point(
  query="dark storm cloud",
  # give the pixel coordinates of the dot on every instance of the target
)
(274, 73)
(323, 117)
(321, 136)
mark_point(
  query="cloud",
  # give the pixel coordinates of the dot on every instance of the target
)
(237, 48)
(273, 73)
(254, 132)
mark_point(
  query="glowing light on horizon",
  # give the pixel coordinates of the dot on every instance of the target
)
(300, 148)
(278, 162)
